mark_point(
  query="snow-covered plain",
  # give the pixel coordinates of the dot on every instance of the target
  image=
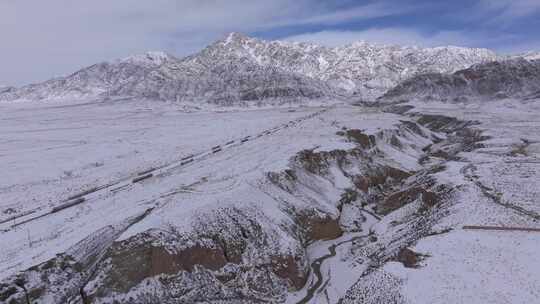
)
(52, 150)
(99, 142)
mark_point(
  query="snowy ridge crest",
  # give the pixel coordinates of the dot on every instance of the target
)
(156, 58)
(244, 70)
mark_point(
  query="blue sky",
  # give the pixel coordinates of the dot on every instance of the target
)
(43, 39)
(503, 25)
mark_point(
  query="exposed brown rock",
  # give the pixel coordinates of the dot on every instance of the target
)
(379, 177)
(409, 258)
(164, 262)
(320, 228)
(313, 162)
(365, 141)
(130, 265)
(404, 197)
(361, 183)
(396, 174)
(286, 267)
(319, 162)
(429, 198)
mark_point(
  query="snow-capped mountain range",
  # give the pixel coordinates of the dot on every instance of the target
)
(245, 70)
(361, 69)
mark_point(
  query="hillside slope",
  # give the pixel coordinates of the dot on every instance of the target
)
(517, 78)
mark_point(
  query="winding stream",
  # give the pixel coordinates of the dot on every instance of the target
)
(316, 268)
(318, 285)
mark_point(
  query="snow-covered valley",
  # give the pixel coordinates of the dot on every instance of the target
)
(325, 201)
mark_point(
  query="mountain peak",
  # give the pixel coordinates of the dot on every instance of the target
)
(235, 37)
(149, 58)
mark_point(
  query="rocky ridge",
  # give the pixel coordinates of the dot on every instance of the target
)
(243, 70)
(514, 78)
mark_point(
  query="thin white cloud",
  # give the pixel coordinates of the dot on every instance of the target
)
(510, 9)
(386, 36)
(501, 43)
(41, 39)
(368, 11)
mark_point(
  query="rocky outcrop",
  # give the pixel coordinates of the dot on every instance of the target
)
(58, 279)
(152, 261)
(399, 199)
(320, 227)
(62, 278)
(409, 258)
(230, 250)
(357, 136)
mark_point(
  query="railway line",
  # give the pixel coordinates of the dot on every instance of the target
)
(139, 177)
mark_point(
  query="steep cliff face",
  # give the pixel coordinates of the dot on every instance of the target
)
(511, 78)
(243, 70)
